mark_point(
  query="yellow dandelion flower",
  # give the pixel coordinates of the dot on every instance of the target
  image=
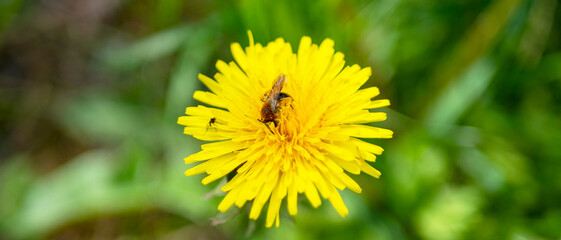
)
(305, 146)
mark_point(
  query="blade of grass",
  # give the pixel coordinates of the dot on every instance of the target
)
(459, 95)
(145, 50)
(474, 45)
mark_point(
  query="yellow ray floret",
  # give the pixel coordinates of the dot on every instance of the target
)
(313, 140)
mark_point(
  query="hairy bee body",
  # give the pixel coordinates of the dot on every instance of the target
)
(271, 106)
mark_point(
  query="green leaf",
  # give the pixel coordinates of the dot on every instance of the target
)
(151, 48)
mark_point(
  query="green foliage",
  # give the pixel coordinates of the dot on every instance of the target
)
(474, 87)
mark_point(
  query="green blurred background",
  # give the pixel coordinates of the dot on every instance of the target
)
(90, 92)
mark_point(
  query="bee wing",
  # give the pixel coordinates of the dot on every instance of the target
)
(275, 91)
(277, 87)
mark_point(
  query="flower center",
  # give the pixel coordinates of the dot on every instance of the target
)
(288, 125)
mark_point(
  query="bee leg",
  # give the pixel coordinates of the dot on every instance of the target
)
(270, 130)
(266, 122)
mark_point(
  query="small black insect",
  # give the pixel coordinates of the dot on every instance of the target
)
(211, 122)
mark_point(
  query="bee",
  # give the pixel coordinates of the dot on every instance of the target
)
(211, 122)
(270, 109)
